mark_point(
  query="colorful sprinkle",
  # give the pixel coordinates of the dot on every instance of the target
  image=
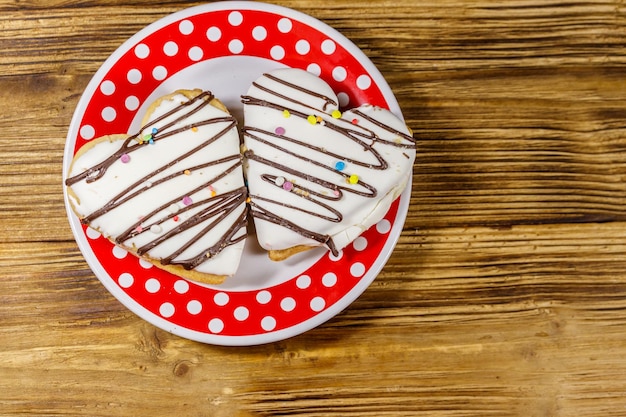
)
(147, 138)
(319, 119)
(355, 121)
(155, 131)
(288, 186)
(187, 200)
(212, 190)
(139, 229)
(286, 114)
(312, 119)
(280, 130)
(125, 158)
(151, 141)
(336, 114)
(187, 172)
(353, 179)
(336, 192)
(194, 129)
(248, 200)
(175, 218)
(340, 165)
(279, 181)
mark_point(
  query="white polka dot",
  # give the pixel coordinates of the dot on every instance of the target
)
(329, 279)
(314, 69)
(126, 280)
(194, 307)
(328, 46)
(195, 53)
(92, 233)
(221, 299)
(339, 74)
(181, 286)
(360, 243)
(133, 76)
(357, 269)
(235, 46)
(259, 33)
(277, 52)
(317, 304)
(241, 313)
(383, 226)
(363, 82)
(268, 323)
(87, 132)
(285, 25)
(142, 51)
(167, 309)
(263, 297)
(303, 282)
(214, 34)
(335, 258)
(344, 99)
(152, 285)
(185, 27)
(216, 326)
(159, 73)
(288, 304)
(107, 87)
(109, 114)
(145, 264)
(131, 103)
(119, 253)
(235, 18)
(170, 48)
(303, 47)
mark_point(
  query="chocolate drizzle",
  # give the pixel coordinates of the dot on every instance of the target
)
(205, 214)
(334, 189)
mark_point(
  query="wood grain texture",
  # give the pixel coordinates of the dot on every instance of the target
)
(505, 296)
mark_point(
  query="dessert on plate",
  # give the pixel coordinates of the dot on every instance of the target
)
(173, 193)
(318, 176)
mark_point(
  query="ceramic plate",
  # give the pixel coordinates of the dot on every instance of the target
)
(223, 47)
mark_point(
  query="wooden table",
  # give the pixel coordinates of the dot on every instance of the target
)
(505, 296)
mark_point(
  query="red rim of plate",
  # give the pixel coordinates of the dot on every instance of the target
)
(115, 95)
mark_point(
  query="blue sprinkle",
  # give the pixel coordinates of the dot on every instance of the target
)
(340, 165)
(154, 130)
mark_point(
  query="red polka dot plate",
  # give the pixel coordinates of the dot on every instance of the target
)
(223, 47)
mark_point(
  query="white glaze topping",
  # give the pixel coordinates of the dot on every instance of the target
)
(180, 200)
(319, 181)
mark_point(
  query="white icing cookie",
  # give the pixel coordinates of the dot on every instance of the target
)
(317, 176)
(173, 193)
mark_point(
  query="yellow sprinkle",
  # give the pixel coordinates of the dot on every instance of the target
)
(187, 172)
(312, 119)
(194, 129)
(286, 113)
(319, 119)
(213, 193)
(248, 200)
(336, 114)
(353, 179)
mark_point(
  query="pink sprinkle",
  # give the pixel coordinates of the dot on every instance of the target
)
(288, 186)
(336, 192)
(125, 158)
(280, 130)
(187, 200)
(139, 229)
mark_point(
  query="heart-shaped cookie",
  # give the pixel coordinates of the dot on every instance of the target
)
(317, 176)
(174, 192)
